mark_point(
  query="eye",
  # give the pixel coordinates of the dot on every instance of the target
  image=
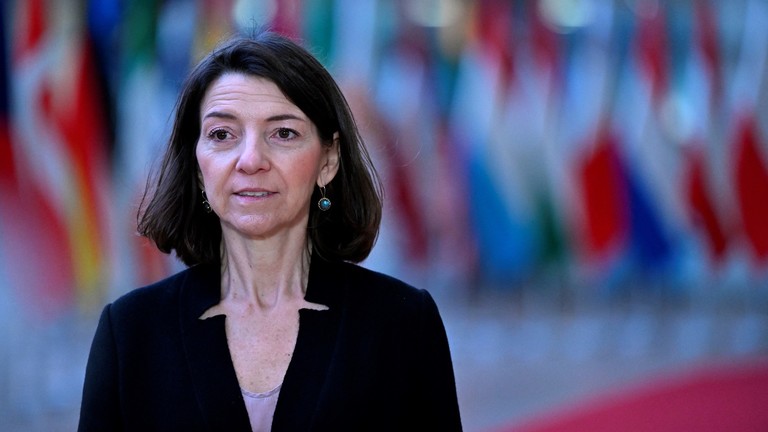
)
(286, 134)
(218, 134)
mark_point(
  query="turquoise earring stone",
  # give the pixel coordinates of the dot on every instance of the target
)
(324, 204)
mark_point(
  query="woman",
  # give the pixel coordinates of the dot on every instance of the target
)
(267, 193)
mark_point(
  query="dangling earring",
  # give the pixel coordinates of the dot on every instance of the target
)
(324, 203)
(206, 204)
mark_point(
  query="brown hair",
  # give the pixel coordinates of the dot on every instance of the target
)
(171, 212)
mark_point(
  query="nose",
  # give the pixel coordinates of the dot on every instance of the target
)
(253, 156)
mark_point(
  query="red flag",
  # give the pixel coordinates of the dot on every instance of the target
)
(287, 18)
(81, 126)
(59, 238)
(652, 51)
(752, 187)
(606, 219)
(402, 189)
(36, 244)
(7, 166)
(494, 27)
(544, 42)
(700, 202)
(706, 38)
(704, 91)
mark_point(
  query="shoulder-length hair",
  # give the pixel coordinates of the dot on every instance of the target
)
(171, 213)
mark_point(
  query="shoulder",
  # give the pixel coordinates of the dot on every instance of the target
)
(159, 295)
(378, 282)
(374, 292)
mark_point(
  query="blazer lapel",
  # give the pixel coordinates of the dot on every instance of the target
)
(210, 365)
(301, 395)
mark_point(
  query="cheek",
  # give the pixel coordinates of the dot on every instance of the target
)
(199, 174)
(205, 169)
(210, 182)
(308, 169)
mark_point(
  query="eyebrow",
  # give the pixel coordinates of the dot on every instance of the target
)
(274, 118)
(219, 114)
(281, 117)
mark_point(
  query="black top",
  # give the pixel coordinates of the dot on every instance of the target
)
(376, 360)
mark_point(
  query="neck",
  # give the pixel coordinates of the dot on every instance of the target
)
(263, 273)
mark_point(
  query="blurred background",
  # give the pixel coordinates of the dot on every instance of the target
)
(581, 184)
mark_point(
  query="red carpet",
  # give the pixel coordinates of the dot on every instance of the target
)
(723, 398)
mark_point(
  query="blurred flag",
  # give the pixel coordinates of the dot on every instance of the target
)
(288, 17)
(650, 242)
(522, 154)
(103, 19)
(400, 120)
(402, 117)
(215, 22)
(701, 203)
(586, 171)
(62, 173)
(750, 171)
(648, 163)
(10, 211)
(654, 194)
(354, 42)
(568, 83)
(502, 220)
(318, 27)
(8, 184)
(605, 230)
(138, 149)
(697, 131)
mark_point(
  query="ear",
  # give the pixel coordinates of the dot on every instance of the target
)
(330, 162)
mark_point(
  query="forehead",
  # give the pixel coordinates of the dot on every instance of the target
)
(242, 91)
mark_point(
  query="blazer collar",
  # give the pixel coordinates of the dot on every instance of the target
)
(205, 343)
(301, 398)
(322, 283)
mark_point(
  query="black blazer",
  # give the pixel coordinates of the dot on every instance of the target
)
(377, 360)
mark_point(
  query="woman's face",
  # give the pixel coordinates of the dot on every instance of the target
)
(260, 157)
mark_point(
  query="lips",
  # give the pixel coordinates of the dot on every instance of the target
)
(255, 194)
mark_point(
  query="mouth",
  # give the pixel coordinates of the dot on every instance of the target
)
(254, 194)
